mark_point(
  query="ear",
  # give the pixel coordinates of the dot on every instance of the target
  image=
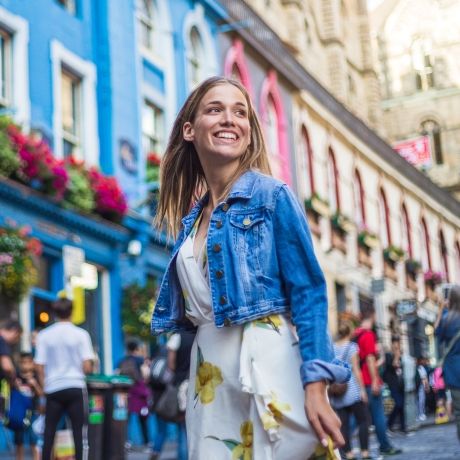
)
(188, 132)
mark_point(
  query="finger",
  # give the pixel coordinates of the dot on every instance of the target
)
(331, 425)
(318, 429)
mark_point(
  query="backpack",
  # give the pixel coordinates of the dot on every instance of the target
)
(18, 413)
(129, 367)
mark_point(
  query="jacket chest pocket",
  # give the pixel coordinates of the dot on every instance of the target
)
(247, 228)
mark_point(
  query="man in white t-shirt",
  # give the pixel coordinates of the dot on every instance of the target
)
(64, 355)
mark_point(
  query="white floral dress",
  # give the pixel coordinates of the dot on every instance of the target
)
(245, 398)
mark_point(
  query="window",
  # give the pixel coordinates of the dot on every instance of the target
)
(306, 156)
(443, 252)
(195, 58)
(432, 129)
(333, 183)
(384, 214)
(69, 5)
(422, 61)
(272, 130)
(235, 66)
(406, 232)
(359, 201)
(5, 69)
(425, 246)
(145, 15)
(71, 113)
(152, 128)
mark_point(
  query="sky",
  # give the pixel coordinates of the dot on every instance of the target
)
(371, 4)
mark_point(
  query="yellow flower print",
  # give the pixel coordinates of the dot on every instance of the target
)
(185, 294)
(274, 416)
(208, 377)
(269, 322)
(240, 450)
(324, 453)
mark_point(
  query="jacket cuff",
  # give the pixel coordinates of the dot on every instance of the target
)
(317, 370)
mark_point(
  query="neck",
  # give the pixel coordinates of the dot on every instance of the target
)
(218, 178)
(366, 324)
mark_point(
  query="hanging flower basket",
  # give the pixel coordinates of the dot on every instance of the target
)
(318, 205)
(393, 254)
(153, 167)
(18, 253)
(368, 240)
(433, 278)
(413, 266)
(342, 223)
(9, 161)
(79, 194)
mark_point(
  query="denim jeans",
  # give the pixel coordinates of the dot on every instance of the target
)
(181, 442)
(378, 418)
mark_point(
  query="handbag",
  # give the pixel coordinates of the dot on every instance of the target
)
(339, 389)
(167, 406)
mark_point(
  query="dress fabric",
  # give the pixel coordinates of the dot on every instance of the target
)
(245, 398)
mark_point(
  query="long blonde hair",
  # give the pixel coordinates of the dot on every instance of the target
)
(181, 175)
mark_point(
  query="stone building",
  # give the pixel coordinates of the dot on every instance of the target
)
(417, 45)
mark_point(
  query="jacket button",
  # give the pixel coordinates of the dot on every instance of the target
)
(217, 247)
(225, 207)
(223, 300)
(227, 322)
(246, 221)
(219, 224)
(219, 274)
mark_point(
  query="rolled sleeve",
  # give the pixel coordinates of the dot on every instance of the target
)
(306, 291)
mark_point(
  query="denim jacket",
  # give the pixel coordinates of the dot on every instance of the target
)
(261, 262)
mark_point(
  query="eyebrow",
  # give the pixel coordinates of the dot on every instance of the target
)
(242, 104)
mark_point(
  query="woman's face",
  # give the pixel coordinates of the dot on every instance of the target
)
(221, 129)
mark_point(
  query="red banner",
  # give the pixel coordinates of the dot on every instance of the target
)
(416, 151)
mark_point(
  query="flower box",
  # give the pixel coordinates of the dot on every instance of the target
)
(393, 254)
(341, 223)
(433, 278)
(153, 167)
(367, 239)
(413, 267)
(316, 204)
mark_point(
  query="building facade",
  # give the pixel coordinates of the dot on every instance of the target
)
(416, 51)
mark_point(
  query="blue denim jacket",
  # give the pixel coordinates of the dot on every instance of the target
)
(261, 262)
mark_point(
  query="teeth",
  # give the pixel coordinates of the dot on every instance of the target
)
(226, 135)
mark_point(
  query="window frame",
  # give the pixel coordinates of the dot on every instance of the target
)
(307, 160)
(425, 246)
(333, 190)
(406, 230)
(6, 67)
(146, 21)
(72, 138)
(384, 213)
(444, 254)
(360, 200)
(159, 118)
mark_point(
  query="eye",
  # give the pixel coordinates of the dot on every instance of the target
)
(213, 110)
(241, 112)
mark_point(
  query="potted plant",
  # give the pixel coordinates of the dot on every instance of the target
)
(317, 204)
(79, 194)
(393, 253)
(367, 239)
(341, 223)
(18, 252)
(413, 266)
(153, 167)
(432, 278)
(9, 161)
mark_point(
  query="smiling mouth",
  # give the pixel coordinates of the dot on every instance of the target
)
(226, 136)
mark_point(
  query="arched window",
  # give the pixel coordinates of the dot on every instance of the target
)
(306, 159)
(333, 194)
(273, 119)
(384, 214)
(443, 253)
(423, 63)
(359, 201)
(432, 129)
(235, 65)
(195, 58)
(406, 238)
(425, 246)
(145, 16)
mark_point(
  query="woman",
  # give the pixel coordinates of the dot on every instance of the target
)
(243, 259)
(354, 400)
(447, 329)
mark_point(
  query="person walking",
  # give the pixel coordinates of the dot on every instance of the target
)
(10, 334)
(422, 386)
(393, 376)
(447, 329)
(353, 400)
(243, 267)
(366, 339)
(63, 356)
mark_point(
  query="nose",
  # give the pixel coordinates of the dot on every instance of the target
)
(227, 117)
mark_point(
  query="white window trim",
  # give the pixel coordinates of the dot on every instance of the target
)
(106, 322)
(19, 30)
(61, 56)
(154, 97)
(195, 18)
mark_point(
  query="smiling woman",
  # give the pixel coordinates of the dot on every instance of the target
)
(242, 271)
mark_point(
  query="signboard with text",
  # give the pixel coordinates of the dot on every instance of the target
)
(415, 151)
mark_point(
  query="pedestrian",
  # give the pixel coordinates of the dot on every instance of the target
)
(422, 386)
(139, 395)
(243, 259)
(27, 384)
(351, 400)
(366, 339)
(63, 356)
(447, 329)
(393, 376)
(10, 333)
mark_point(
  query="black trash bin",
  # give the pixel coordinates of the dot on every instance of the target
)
(98, 388)
(116, 418)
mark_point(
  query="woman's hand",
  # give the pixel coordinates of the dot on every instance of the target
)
(320, 414)
(363, 394)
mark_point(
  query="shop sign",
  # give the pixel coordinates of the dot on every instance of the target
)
(377, 285)
(406, 307)
(73, 259)
(415, 151)
(426, 314)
